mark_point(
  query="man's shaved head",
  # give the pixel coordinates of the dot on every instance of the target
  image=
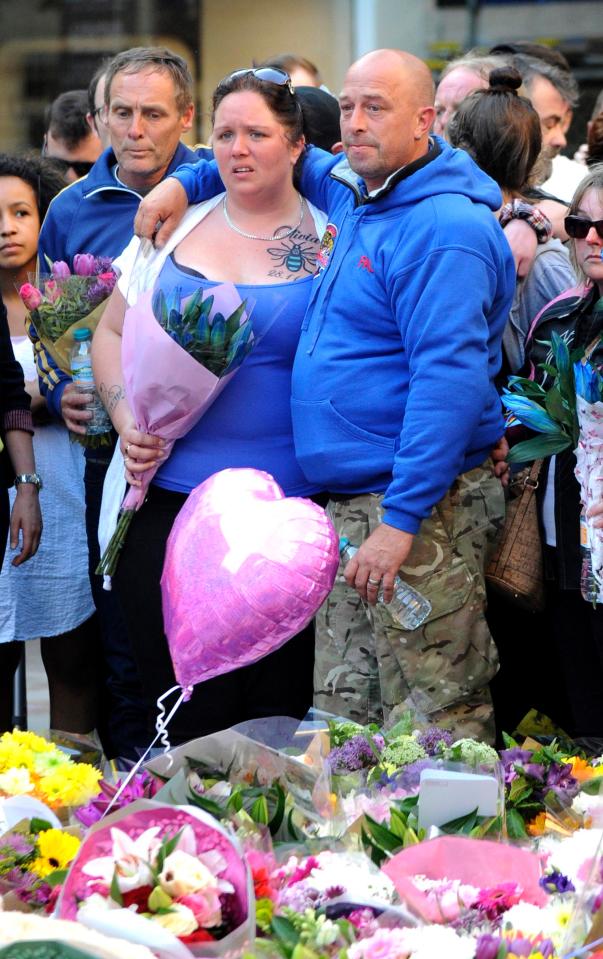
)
(386, 113)
(411, 71)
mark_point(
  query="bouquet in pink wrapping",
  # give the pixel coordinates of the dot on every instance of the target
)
(426, 874)
(178, 354)
(168, 877)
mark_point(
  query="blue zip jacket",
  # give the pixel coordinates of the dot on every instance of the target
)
(93, 215)
(393, 382)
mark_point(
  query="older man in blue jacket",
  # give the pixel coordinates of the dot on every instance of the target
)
(148, 106)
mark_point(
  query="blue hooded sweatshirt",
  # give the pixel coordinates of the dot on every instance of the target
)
(393, 383)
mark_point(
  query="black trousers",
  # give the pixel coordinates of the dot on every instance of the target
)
(278, 685)
(551, 661)
(575, 631)
(122, 711)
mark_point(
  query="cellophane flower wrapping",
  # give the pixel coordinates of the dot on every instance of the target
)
(178, 354)
(29, 936)
(338, 881)
(477, 863)
(241, 756)
(589, 473)
(119, 849)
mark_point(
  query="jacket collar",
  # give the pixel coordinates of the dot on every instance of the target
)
(344, 173)
(101, 176)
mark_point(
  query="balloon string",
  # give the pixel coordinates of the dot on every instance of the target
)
(161, 725)
(161, 722)
(575, 953)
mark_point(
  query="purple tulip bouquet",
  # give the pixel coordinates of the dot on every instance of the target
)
(61, 300)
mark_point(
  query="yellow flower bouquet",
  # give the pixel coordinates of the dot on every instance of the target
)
(32, 766)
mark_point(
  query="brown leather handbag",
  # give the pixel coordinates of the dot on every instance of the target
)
(515, 569)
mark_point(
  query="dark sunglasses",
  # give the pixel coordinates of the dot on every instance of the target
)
(79, 167)
(578, 227)
(266, 74)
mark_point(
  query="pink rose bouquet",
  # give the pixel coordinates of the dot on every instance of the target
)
(168, 877)
(61, 298)
(64, 300)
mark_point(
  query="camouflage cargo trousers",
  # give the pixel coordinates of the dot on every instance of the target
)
(369, 669)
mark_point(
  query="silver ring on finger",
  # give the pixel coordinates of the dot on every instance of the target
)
(373, 582)
(127, 449)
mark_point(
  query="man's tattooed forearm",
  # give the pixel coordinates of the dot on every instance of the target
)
(111, 395)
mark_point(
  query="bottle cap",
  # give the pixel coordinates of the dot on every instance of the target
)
(343, 543)
(82, 334)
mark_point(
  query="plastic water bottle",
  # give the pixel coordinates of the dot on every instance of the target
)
(407, 607)
(588, 584)
(81, 372)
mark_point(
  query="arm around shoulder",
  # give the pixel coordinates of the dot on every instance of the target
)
(162, 209)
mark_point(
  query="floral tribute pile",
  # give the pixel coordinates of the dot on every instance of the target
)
(319, 842)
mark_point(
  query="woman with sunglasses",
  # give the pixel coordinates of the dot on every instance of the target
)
(574, 627)
(261, 235)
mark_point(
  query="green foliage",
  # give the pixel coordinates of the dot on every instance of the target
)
(381, 841)
(264, 805)
(515, 825)
(37, 825)
(219, 343)
(56, 878)
(114, 890)
(550, 411)
(339, 732)
(166, 849)
(546, 444)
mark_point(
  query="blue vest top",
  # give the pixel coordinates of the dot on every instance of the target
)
(249, 424)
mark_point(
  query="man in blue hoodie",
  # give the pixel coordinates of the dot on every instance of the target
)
(148, 106)
(394, 405)
(393, 398)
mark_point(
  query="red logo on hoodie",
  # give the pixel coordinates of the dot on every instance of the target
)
(365, 264)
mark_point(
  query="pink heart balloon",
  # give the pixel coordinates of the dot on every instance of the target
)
(245, 569)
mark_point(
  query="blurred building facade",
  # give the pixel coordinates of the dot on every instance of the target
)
(48, 46)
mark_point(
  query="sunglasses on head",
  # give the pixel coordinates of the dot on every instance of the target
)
(266, 74)
(578, 227)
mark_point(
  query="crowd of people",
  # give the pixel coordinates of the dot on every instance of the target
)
(398, 243)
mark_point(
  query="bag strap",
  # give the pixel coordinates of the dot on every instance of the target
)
(530, 485)
(592, 346)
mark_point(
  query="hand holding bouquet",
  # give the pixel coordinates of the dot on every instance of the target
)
(177, 356)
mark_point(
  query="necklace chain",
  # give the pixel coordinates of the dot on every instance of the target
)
(277, 235)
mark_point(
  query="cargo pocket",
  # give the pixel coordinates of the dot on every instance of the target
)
(451, 655)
